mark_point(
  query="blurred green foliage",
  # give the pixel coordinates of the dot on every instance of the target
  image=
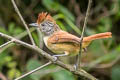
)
(102, 58)
(115, 73)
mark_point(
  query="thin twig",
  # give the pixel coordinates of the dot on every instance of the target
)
(1, 46)
(21, 35)
(82, 35)
(86, 18)
(34, 70)
(18, 12)
(79, 72)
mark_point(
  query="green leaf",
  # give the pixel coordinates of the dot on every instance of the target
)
(13, 73)
(11, 27)
(105, 24)
(26, 78)
(63, 75)
(67, 13)
(18, 30)
(12, 64)
(8, 58)
(69, 22)
(115, 53)
(3, 55)
(52, 5)
(58, 16)
(3, 30)
(115, 73)
(35, 37)
(73, 26)
(61, 25)
(95, 49)
(32, 64)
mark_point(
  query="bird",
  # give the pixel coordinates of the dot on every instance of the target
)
(61, 42)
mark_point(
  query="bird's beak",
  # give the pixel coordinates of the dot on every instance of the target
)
(34, 24)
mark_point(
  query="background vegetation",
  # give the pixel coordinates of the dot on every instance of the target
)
(101, 59)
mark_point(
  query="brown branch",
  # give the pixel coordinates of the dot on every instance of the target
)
(2, 76)
(82, 35)
(86, 18)
(21, 35)
(18, 12)
(79, 72)
(1, 46)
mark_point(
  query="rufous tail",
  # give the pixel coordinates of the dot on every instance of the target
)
(98, 36)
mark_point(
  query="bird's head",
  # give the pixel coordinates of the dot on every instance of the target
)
(46, 24)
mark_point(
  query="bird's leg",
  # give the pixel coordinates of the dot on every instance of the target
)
(77, 62)
(78, 59)
(66, 53)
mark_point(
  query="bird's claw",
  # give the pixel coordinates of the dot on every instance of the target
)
(75, 67)
(55, 59)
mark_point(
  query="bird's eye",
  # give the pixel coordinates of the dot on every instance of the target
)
(42, 24)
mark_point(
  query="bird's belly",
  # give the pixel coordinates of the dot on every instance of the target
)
(60, 48)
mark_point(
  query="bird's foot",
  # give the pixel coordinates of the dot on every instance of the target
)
(76, 67)
(55, 58)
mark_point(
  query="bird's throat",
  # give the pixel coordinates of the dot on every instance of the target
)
(45, 38)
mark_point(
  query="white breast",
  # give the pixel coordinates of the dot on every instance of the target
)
(45, 40)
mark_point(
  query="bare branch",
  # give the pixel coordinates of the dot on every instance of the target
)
(79, 72)
(82, 35)
(18, 12)
(86, 17)
(34, 70)
(5, 44)
(21, 35)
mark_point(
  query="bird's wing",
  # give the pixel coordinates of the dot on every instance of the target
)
(62, 36)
